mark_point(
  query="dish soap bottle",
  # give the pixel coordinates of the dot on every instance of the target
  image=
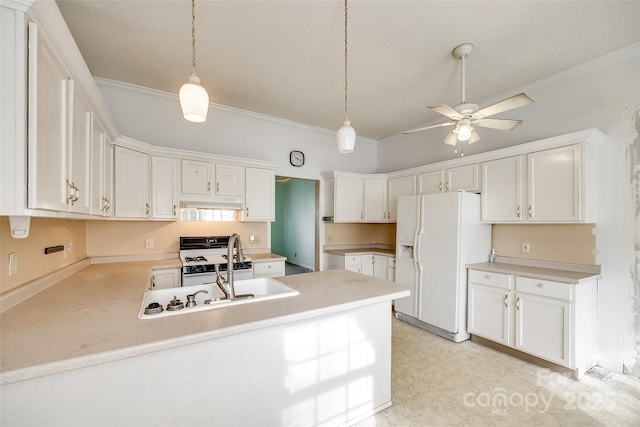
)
(492, 256)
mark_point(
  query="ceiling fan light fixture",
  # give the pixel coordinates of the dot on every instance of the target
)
(464, 131)
(194, 99)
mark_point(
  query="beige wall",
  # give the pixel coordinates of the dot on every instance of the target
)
(114, 238)
(357, 234)
(32, 262)
(574, 243)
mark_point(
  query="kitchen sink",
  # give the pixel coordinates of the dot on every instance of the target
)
(262, 288)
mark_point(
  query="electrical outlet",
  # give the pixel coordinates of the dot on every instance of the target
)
(148, 243)
(526, 247)
(13, 264)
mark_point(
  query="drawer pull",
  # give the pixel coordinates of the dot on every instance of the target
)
(539, 285)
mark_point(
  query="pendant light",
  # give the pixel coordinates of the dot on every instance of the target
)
(346, 135)
(194, 99)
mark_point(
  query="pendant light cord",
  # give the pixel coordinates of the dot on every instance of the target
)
(193, 36)
(346, 86)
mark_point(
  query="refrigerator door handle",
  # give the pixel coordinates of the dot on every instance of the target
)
(416, 250)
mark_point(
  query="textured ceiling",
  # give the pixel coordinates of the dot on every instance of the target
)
(285, 58)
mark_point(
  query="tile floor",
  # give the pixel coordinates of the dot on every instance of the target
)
(294, 269)
(436, 382)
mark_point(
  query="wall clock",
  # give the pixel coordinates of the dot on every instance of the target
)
(296, 158)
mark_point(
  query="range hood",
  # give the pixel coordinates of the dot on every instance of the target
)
(212, 202)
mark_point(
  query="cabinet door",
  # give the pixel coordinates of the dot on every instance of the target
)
(489, 313)
(196, 177)
(543, 327)
(269, 269)
(380, 266)
(367, 265)
(165, 278)
(164, 187)
(78, 152)
(431, 182)
(502, 190)
(465, 178)
(353, 263)
(391, 269)
(229, 180)
(47, 133)
(555, 185)
(260, 195)
(108, 170)
(375, 200)
(131, 184)
(97, 168)
(405, 186)
(348, 200)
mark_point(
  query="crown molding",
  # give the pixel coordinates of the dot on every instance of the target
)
(119, 86)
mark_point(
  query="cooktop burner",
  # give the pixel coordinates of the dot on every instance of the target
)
(198, 258)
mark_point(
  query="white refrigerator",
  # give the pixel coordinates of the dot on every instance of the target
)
(437, 235)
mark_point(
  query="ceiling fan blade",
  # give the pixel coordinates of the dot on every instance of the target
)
(451, 139)
(519, 100)
(502, 124)
(474, 137)
(445, 110)
(428, 127)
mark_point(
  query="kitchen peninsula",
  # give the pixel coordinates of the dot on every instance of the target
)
(322, 357)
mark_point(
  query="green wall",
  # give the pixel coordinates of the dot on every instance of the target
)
(293, 232)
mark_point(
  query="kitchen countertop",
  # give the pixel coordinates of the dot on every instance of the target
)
(264, 257)
(362, 251)
(91, 318)
(536, 272)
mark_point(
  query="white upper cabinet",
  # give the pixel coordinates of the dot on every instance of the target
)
(131, 184)
(47, 135)
(431, 182)
(260, 194)
(548, 186)
(404, 186)
(101, 171)
(502, 198)
(375, 200)
(229, 180)
(461, 178)
(164, 187)
(60, 121)
(555, 186)
(196, 177)
(349, 193)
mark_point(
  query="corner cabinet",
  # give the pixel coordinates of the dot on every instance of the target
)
(401, 186)
(259, 195)
(132, 184)
(548, 186)
(550, 320)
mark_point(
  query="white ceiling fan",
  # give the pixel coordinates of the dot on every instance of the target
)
(466, 116)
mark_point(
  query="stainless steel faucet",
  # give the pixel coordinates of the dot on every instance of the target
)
(234, 242)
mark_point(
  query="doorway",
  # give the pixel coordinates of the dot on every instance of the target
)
(294, 233)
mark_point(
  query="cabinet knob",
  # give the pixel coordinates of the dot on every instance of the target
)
(506, 301)
(440, 186)
(486, 276)
(518, 303)
(530, 212)
(518, 212)
(147, 208)
(268, 266)
(539, 285)
(448, 186)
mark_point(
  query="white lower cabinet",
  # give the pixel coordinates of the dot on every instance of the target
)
(550, 320)
(353, 263)
(164, 278)
(374, 265)
(272, 268)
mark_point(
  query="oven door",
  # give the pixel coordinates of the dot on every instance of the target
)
(194, 279)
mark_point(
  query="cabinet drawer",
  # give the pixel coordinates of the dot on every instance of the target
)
(499, 280)
(352, 260)
(270, 268)
(545, 288)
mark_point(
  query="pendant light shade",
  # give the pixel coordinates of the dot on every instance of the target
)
(194, 99)
(346, 136)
